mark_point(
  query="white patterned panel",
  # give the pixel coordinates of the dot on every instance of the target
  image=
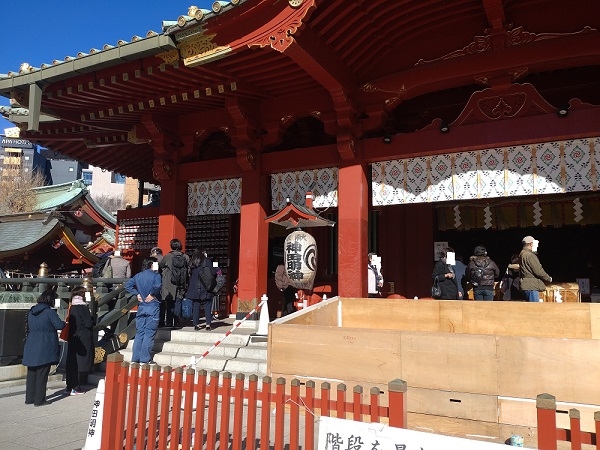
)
(323, 183)
(491, 173)
(233, 196)
(549, 166)
(440, 178)
(214, 197)
(577, 161)
(416, 180)
(387, 177)
(325, 192)
(465, 181)
(519, 176)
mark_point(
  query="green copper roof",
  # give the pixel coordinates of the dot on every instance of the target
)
(22, 235)
(51, 197)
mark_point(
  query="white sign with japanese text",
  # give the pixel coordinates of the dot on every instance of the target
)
(340, 434)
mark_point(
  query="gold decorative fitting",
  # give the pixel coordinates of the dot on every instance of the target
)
(295, 3)
(170, 57)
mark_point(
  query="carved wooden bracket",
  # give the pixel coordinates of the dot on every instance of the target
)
(278, 32)
(346, 144)
(162, 170)
(246, 159)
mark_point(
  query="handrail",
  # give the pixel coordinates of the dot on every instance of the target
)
(109, 305)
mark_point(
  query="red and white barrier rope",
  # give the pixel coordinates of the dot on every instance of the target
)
(216, 344)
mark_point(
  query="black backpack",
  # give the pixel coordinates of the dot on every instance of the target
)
(476, 274)
(207, 278)
(179, 271)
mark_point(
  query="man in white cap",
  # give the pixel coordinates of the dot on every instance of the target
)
(531, 271)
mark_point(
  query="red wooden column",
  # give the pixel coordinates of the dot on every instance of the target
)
(353, 226)
(254, 238)
(172, 213)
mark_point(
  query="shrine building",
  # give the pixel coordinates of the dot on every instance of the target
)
(472, 122)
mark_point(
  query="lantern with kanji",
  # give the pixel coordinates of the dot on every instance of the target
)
(300, 259)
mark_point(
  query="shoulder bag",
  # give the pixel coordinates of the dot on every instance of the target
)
(64, 333)
(436, 290)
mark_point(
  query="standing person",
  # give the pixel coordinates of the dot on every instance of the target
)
(482, 272)
(120, 266)
(41, 346)
(288, 291)
(201, 267)
(460, 270)
(511, 281)
(531, 271)
(174, 267)
(156, 253)
(374, 277)
(80, 353)
(444, 274)
(146, 286)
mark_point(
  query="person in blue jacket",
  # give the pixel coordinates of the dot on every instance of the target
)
(41, 346)
(146, 286)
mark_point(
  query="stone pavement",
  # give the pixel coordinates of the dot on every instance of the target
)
(60, 424)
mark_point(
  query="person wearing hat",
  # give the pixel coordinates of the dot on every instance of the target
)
(157, 253)
(531, 271)
(481, 272)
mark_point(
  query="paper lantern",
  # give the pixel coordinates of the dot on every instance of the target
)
(300, 259)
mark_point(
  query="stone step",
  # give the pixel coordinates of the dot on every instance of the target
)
(211, 362)
(227, 350)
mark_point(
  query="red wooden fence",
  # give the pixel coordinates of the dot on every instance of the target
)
(549, 434)
(153, 409)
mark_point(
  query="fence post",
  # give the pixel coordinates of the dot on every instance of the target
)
(546, 421)
(279, 413)
(597, 428)
(340, 401)
(111, 396)
(397, 402)
(575, 422)
(357, 405)
(374, 406)
(309, 416)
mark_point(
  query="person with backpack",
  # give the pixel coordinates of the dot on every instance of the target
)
(203, 282)
(174, 269)
(481, 273)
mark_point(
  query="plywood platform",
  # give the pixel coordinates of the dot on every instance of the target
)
(471, 367)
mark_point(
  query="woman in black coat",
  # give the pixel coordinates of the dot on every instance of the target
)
(196, 290)
(41, 346)
(80, 355)
(444, 274)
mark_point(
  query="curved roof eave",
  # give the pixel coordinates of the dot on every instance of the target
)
(86, 63)
(26, 235)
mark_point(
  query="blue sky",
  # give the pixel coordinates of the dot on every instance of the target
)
(40, 31)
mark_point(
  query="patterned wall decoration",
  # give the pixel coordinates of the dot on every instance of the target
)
(545, 168)
(323, 183)
(215, 197)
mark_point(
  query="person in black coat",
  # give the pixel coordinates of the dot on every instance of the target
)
(196, 290)
(41, 346)
(444, 274)
(80, 353)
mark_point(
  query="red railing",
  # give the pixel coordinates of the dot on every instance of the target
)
(152, 408)
(549, 434)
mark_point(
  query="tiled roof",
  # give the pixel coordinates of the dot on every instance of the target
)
(194, 15)
(19, 235)
(50, 197)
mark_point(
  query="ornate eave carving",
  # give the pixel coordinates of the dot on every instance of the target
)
(517, 100)
(512, 38)
(279, 33)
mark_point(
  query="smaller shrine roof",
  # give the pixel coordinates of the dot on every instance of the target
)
(298, 216)
(58, 196)
(23, 235)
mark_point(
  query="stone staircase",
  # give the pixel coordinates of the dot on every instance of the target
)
(240, 352)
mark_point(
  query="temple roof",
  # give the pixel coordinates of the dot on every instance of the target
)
(72, 194)
(254, 67)
(23, 235)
